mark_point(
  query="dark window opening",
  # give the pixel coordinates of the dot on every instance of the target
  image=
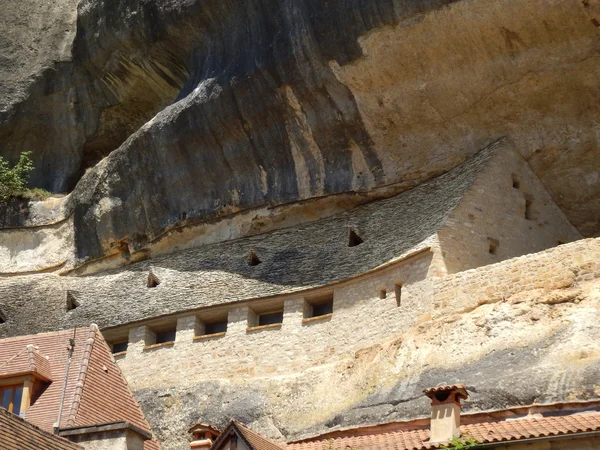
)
(164, 337)
(119, 347)
(318, 306)
(516, 181)
(72, 302)
(270, 318)
(253, 259)
(493, 246)
(398, 292)
(215, 327)
(2, 318)
(353, 238)
(383, 294)
(153, 280)
(528, 212)
(322, 309)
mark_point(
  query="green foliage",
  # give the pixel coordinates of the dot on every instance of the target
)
(463, 442)
(13, 180)
(37, 194)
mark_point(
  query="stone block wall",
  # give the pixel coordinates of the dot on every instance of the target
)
(507, 212)
(365, 312)
(560, 267)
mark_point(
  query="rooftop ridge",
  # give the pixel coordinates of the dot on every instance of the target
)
(423, 421)
(85, 359)
(102, 341)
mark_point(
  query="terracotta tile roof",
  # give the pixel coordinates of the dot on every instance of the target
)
(26, 361)
(96, 391)
(255, 440)
(484, 432)
(18, 434)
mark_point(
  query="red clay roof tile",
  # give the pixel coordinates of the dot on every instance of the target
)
(95, 390)
(18, 434)
(486, 432)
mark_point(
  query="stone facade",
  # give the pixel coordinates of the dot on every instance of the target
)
(409, 276)
(309, 256)
(378, 353)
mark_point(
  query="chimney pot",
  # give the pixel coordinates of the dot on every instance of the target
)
(203, 436)
(445, 411)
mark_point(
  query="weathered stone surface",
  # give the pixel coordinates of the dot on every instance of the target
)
(513, 349)
(273, 102)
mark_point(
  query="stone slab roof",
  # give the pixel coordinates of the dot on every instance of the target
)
(18, 434)
(96, 391)
(292, 259)
(484, 433)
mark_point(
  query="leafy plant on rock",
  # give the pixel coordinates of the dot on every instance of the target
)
(13, 180)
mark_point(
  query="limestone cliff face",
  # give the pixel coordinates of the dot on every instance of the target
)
(197, 109)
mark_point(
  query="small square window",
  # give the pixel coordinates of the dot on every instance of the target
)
(164, 337)
(318, 306)
(119, 347)
(270, 318)
(215, 327)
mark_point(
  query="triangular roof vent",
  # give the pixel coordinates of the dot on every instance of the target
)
(353, 238)
(72, 302)
(253, 259)
(153, 280)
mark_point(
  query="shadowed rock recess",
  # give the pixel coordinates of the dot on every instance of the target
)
(419, 164)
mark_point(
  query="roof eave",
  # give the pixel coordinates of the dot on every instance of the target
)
(103, 427)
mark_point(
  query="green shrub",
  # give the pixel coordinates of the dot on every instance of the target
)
(13, 180)
(463, 442)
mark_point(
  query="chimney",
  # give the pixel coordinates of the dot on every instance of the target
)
(204, 435)
(445, 411)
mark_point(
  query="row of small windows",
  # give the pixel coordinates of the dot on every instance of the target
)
(315, 308)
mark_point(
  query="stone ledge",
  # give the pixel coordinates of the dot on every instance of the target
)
(273, 326)
(310, 320)
(206, 337)
(161, 345)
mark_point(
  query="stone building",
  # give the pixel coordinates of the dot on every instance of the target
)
(347, 299)
(67, 383)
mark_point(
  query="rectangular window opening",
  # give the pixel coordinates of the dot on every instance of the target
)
(215, 327)
(318, 306)
(528, 212)
(398, 292)
(516, 181)
(493, 245)
(270, 318)
(163, 337)
(119, 347)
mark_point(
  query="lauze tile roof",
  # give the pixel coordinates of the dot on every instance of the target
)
(95, 390)
(484, 432)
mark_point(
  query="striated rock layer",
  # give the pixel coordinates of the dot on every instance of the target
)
(258, 104)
